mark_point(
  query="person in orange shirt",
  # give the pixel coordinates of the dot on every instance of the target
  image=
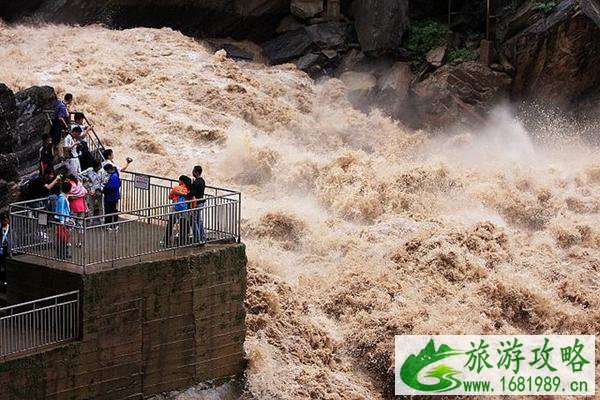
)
(179, 196)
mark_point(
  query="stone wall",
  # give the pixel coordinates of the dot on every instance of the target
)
(147, 328)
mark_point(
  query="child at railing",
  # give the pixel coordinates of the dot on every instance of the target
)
(62, 214)
(179, 196)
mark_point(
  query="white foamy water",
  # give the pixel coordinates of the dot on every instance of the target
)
(356, 229)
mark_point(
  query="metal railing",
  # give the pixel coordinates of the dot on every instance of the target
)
(147, 223)
(94, 143)
(29, 326)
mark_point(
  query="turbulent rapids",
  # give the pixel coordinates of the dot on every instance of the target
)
(356, 228)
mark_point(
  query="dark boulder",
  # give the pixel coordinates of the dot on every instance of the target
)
(9, 174)
(288, 46)
(289, 23)
(459, 94)
(380, 24)
(235, 52)
(351, 61)
(8, 118)
(308, 60)
(306, 9)
(556, 54)
(298, 42)
(9, 167)
(393, 91)
(329, 35)
(32, 122)
(257, 8)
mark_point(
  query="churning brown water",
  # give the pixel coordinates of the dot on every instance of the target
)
(356, 229)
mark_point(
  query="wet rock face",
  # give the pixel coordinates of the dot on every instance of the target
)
(32, 122)
(380, 24)
(254, 19)
(8, 118)
(459, 94)
(555, 55)
(298, 43)
(18, 115)
(22, 123)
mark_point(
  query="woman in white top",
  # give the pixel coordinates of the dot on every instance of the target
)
(72, 151)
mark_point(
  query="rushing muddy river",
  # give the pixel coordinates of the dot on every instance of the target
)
(356, 228)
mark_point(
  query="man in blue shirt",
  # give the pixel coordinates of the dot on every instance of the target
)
(61, 118)
(112, 195)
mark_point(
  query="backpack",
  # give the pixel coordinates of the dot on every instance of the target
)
(180, 204)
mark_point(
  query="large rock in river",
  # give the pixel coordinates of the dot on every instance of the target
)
(555, 55)
(380, 24)
(459, 94)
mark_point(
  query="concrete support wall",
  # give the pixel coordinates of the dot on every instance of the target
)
(147, 328)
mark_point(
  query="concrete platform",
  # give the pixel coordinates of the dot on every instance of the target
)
(133, 237)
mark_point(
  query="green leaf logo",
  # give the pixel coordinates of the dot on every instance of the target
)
(413, 365)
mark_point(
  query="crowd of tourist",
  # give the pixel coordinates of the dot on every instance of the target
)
(73, 184)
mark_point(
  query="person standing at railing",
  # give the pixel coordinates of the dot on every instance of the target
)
(109, 158)
(79, 120)
(77, 203)
(112, 195)
(86, 158)
(40, 186)
(62, 215)
(197, 193)
(179, 197)
(72, 151)
(4, 251)
(60, 122)
(93, 180)
(46, 155)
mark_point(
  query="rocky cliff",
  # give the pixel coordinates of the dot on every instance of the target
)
(555, 50)
(540, 50)
(22, 124)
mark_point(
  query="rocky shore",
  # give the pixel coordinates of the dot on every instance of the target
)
(414, 59)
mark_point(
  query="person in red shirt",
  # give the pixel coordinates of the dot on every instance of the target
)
(77, 201)
(179, 197)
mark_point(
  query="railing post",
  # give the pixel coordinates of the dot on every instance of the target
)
(239, 218)
(11, 232)
(84, 245)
